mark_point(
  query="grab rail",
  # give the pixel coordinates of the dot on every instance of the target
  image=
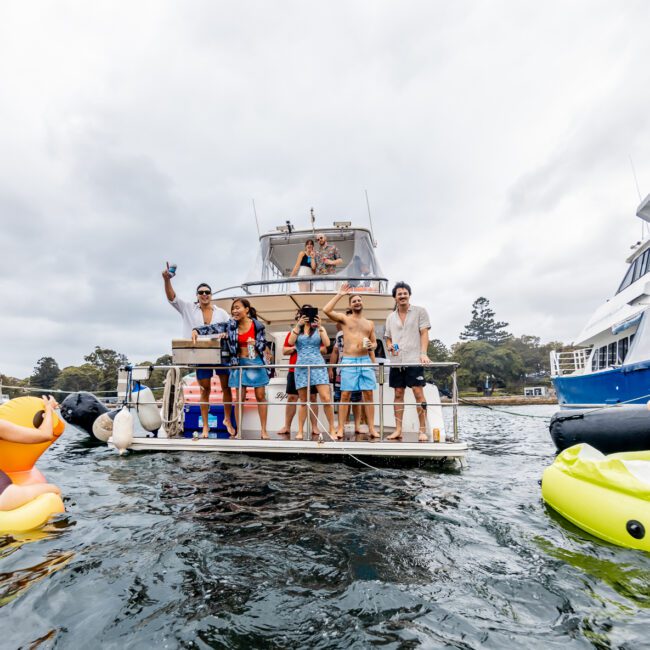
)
(381, 380)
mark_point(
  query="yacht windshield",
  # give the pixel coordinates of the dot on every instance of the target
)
(280, 256)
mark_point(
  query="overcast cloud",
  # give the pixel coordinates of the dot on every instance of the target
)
(494, 139)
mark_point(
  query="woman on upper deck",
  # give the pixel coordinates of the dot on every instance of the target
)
(308, 337)
(305, 265)
(244, 339)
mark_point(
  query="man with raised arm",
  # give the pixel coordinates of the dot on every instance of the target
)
(359, 342)
(195, 314)
(407, 339)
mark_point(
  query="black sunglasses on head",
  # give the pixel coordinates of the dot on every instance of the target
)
(204, 292)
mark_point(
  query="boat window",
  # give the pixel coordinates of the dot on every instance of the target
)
(611, 354)
(627, 280)
(602, 354)
(622, 349)
(594, 361)
(638, 267)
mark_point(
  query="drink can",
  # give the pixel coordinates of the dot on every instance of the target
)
(366, 342)
(251, 348)
(172, 268)
(395, 349)
(436, 434)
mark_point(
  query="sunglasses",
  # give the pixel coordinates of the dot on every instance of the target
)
(204, 292)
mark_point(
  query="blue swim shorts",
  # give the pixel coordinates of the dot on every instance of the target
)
(354, 376)
(206, 373)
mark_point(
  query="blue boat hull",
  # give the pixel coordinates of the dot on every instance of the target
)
(627, 384)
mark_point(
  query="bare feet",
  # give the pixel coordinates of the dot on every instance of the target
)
(205, 434)
(284, 432)
(299, 435)
(373, 433)
(231, 430)
(423, 437)
(332, 434)
(265, 436)
(340, 435)
(396, 435)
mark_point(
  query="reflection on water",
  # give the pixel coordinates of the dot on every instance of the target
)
(210, 550)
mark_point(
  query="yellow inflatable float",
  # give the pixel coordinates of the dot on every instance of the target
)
(20, 447)
(607, 496)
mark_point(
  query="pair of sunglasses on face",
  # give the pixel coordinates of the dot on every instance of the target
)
(204, 292)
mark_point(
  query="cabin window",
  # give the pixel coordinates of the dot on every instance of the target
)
(627, 280)
(644, 263)
(639, 265)
(611, 354)
(622, 349)
(594, 361)
(602, 357)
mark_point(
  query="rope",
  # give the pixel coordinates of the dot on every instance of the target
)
(491, 408)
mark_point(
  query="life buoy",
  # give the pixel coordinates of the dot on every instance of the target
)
(17, 461)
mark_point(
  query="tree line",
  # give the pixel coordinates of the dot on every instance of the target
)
(486, 352)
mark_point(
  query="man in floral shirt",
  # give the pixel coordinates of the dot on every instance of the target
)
(327, 257)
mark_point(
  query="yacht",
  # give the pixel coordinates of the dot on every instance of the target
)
(609, 362)
(276, 296)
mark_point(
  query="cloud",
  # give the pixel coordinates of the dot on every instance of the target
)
(493, 141)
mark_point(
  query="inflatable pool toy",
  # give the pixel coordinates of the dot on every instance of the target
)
(17, 461)
(607, 496)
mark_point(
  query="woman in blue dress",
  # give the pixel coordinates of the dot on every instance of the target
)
(308, 338)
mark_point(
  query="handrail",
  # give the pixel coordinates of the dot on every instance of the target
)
(452, 365)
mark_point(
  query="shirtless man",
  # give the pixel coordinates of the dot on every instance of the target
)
(354, 376)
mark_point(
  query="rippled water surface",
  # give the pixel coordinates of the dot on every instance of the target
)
(208, 550)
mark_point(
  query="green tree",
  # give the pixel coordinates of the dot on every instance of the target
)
(108, 362)
(438, 351)
(74, 378)
(483, 326)
(480, 358)
(6, 380)
(534, 355)
(45, 373)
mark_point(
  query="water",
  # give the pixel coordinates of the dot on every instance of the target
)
(207, 550)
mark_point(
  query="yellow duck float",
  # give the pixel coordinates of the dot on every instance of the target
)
(28, 426)
(607, 496)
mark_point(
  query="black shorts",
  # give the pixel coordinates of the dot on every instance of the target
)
(406, 376)
(291, 385)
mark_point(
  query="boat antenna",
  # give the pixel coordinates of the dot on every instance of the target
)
(638, 191)
(372, 231)
(257, 223)
(312, 216)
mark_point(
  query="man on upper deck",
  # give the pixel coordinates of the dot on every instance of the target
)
(327, 256)
(359, 342)
(407, 339)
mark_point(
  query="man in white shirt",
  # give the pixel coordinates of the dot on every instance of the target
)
(196, 314)
(407, 339)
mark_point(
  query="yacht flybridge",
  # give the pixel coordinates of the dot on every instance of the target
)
(609, 362)
(276, 296)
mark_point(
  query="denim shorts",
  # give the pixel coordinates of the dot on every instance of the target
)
(253, 377)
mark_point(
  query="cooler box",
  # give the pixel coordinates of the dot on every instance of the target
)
(186, 353)
(194, 421)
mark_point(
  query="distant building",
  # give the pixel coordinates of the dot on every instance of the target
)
(536, 391)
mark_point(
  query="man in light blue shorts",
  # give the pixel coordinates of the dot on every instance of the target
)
(359, 343)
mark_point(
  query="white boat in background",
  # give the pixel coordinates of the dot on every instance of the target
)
(276, 296)
(609, 362)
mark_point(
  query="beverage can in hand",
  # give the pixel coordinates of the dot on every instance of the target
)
(366, 342)
(172, 269)
(251, 348)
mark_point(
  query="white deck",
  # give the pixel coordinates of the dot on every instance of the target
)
(365, 448)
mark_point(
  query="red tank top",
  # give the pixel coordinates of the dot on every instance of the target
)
(243, 338)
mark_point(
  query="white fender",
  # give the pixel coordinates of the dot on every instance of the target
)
(123, 430)
(103, 427)
(145, 406)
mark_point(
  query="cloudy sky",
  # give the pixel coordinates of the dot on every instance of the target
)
(495, 140)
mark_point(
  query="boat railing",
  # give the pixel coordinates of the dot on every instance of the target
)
(381, 370)
(569, 362)
(310, 284)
